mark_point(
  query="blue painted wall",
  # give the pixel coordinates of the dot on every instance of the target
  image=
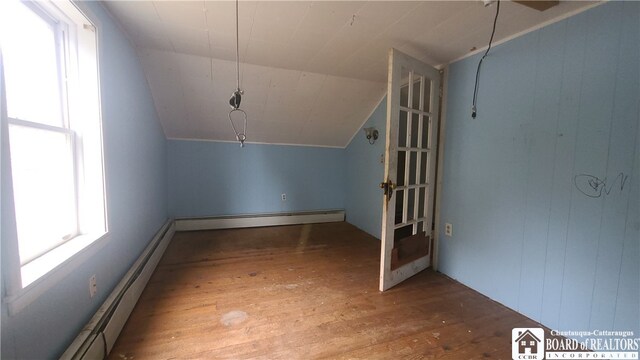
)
(365, 172)
(135, 169)
(209, 178)
(558, 102)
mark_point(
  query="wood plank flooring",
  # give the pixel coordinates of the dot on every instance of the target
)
(304, 292)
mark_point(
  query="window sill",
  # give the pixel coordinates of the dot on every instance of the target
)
(45, 272)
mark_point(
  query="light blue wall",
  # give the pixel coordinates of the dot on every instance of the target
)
(365, 172)
(556, 103)
(135, 166)
(208, 178)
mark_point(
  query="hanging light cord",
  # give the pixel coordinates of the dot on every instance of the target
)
(475, 89)
(237, 51)
(236, 97)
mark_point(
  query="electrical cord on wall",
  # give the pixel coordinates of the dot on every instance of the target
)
(475, 89)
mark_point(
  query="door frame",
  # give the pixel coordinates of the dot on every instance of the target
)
(444, 77)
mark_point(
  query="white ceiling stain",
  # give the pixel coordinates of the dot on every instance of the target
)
(312, 71)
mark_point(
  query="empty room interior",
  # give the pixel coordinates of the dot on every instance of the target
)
(320, 179)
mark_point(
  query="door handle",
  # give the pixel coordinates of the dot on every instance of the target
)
(388, 187)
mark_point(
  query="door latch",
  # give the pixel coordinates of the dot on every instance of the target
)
(388, 187)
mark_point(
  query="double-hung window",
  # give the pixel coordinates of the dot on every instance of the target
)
(52, 119)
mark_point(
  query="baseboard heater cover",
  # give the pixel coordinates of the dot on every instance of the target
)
(97, 338)
(259, 220)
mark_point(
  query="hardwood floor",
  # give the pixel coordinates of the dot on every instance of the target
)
(304, 292)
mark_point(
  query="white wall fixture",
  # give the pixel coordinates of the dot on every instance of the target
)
(93, 286)
(448, 229)
(372, 134)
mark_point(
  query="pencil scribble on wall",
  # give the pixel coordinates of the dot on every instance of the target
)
(594, 187)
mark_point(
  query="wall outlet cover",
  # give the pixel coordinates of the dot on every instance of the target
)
(93, 286)
(448, 229)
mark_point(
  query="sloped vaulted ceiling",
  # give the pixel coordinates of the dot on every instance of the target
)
(312, 71)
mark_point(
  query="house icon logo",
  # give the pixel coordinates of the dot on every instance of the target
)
(527, 343)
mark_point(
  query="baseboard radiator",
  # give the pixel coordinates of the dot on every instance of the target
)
(97, 338)
(247, 221)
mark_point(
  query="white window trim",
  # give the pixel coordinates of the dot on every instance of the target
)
(51, 268)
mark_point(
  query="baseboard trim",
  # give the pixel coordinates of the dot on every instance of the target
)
(259, 220)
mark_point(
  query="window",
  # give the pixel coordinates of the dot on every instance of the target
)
(51, 92)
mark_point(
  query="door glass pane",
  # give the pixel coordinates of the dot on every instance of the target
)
(401, 167)
(404, 88)
(415, 123)
(425, 132)
(30, 66)
(415, 101)
(421, 194)
(402, 129)
(421, 227)
(427, 95)
(424, 159)
(399, 206)
(411, 201)
(413, 162)
(403, 232)
(43, 185)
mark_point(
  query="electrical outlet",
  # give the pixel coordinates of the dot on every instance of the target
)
(448, 229)
(93, 286)
(284, 197)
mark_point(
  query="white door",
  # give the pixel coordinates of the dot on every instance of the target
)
(412, 127)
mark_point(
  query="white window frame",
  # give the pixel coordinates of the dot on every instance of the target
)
(78, 38)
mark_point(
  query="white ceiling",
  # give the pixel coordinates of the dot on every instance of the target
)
(312, 71)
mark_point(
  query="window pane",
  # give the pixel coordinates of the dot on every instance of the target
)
(421, 205)
(404, 88)
(413, 159)
(31, 65)
(425, 132)
(403, 232)
(415, 102)
(415, 123)
(399, 206)
(411, 203)
(427, 95)
(43, 186)
(401, 167)
(402, 129)
(423, 167)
